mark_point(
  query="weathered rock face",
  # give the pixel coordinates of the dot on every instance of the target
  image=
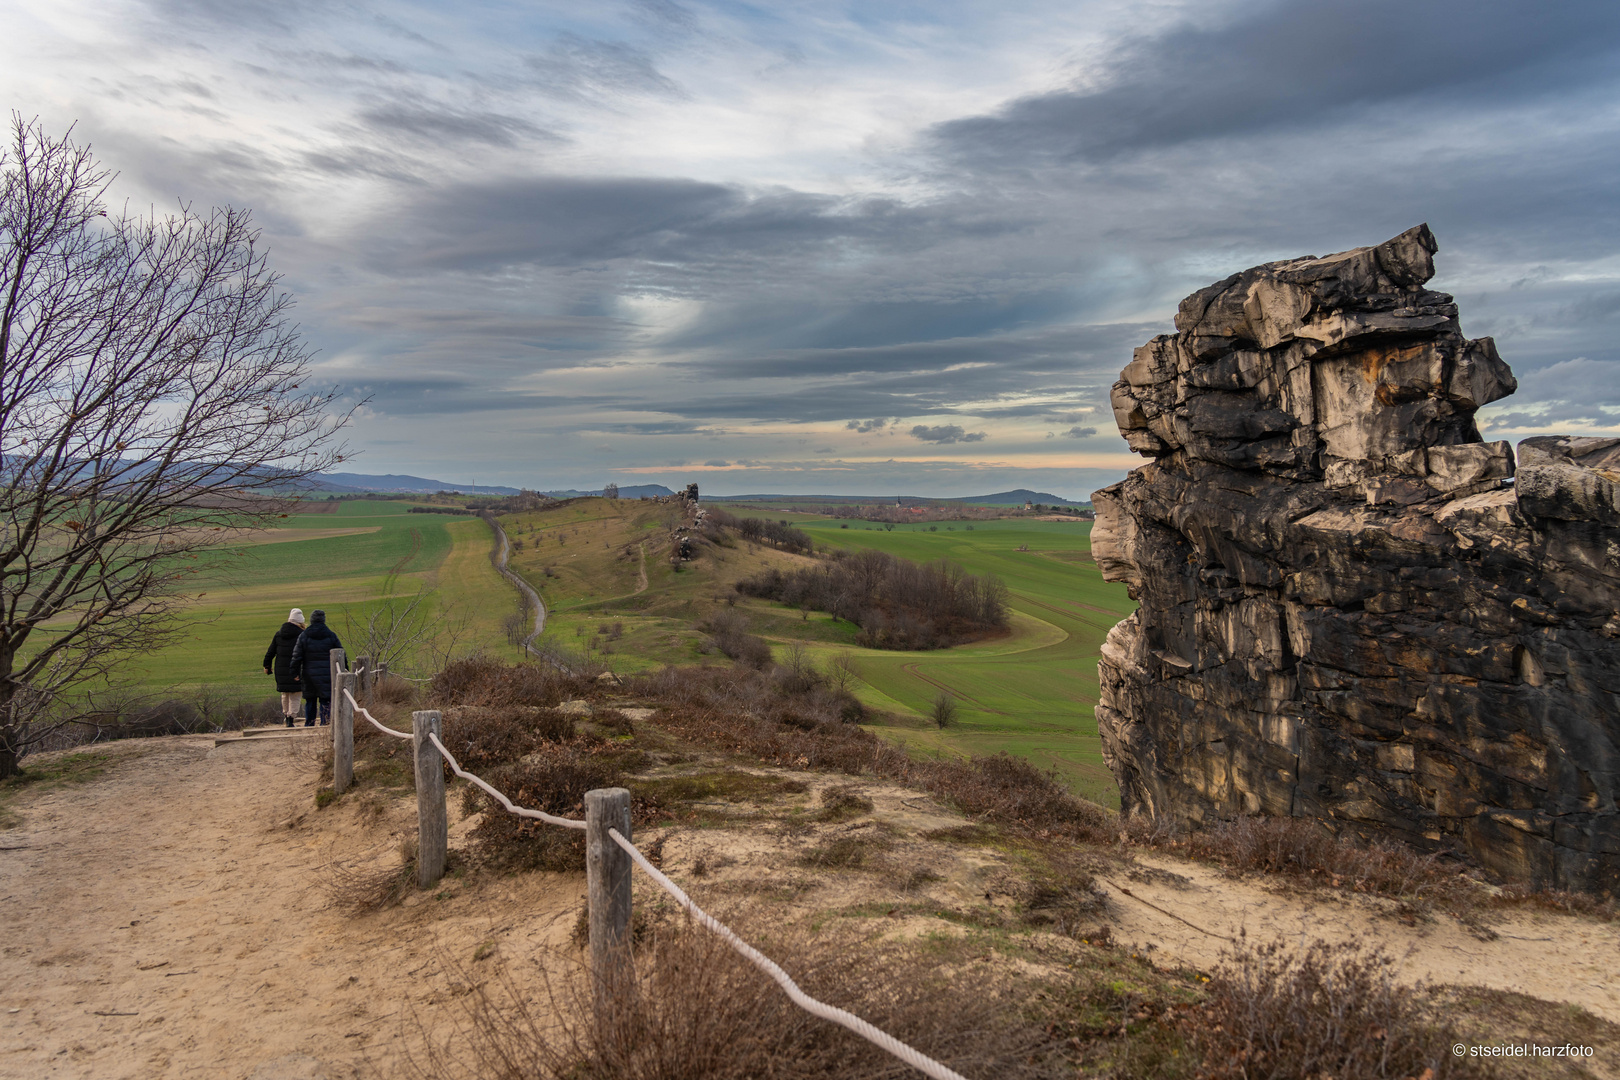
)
(1349, 609)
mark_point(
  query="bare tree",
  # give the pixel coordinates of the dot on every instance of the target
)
(150, 409)
(611, 491)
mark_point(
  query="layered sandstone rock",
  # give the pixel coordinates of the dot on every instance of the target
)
(1349, 608)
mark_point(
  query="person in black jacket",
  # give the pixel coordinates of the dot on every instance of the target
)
(312, 665)
(279, 656)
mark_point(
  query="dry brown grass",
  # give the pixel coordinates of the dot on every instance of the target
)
(841, 802)
(358, 891)
(1278, 1013)
(553, 778)
(1301, 847)
(743, 712)
(698, 1010)
(482, 680)
(482, 737)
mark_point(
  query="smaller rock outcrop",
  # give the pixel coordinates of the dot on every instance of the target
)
(1351, 606)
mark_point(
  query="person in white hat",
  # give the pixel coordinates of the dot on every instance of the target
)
(278, 661)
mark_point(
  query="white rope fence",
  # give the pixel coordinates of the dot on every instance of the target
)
(881, 1039)
(520, 811)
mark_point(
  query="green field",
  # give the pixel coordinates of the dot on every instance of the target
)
(345, 561)
(1030, 694)
(604, 572)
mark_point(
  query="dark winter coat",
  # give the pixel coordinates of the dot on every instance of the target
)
(278, 657)
(311, 659)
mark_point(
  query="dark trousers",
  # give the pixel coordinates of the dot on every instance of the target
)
(312, 706)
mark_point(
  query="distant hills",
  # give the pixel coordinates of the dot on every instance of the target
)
(341, 483)
(1017, 497)
(414, 485)
(632, 492)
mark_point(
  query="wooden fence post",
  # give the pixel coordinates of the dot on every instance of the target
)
(342, 733)
(337, 660)
(382, 673)
(432, 825)
(362, 668)
(607, 878)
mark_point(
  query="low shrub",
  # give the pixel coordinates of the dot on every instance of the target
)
(483, 738)
(553, 778)
(482, 680)
(1277, 1013)
(1305, 847)
(698, 1010)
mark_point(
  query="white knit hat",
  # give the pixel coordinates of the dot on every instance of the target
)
(296, 615)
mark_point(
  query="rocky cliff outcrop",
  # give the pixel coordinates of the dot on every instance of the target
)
(1350, 608)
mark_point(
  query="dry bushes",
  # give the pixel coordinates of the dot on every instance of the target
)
(842, 802)
(481, 680)
(1276, 1013)
(745, 712)
(698, 1010)
(483, 738)
(359, 891)
(553, 778)
(1304, 847)
(728, 631)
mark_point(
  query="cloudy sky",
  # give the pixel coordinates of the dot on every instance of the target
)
(839, 246)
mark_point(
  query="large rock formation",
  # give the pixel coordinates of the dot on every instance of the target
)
(1349, 608)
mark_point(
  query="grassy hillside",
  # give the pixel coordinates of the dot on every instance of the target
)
(344, 561)
(1030, 694)
(603, 569)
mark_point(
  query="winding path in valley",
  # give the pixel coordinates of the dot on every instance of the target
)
(499, 557)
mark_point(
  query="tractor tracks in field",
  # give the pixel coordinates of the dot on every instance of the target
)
(912, 669)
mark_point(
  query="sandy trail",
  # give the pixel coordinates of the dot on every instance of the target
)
(1549, 956)
(168, 920)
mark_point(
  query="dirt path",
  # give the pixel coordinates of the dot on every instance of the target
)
(169, 920)
(1552, 957)
(641, 571)
(500, 557)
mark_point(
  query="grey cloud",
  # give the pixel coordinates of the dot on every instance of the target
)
(661, 427)
(1295, 64)
(864, 426)
(439, 124)
(1592, 308)
(945, 433)
(1575, 394)
(696, 237)
(665, 13)
(1081, 432)
(823, 450)
(718, 463)
(585, 68)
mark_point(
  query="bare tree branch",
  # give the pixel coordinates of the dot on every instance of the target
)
(151, 408)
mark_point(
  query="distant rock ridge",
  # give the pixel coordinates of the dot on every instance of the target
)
(1349, 609)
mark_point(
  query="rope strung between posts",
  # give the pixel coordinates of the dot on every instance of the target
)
(396, 675)
(882, 1039)
(520, 811)
(360, 711)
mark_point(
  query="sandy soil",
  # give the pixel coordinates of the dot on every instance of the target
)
(171, 918)
(1552, 957)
